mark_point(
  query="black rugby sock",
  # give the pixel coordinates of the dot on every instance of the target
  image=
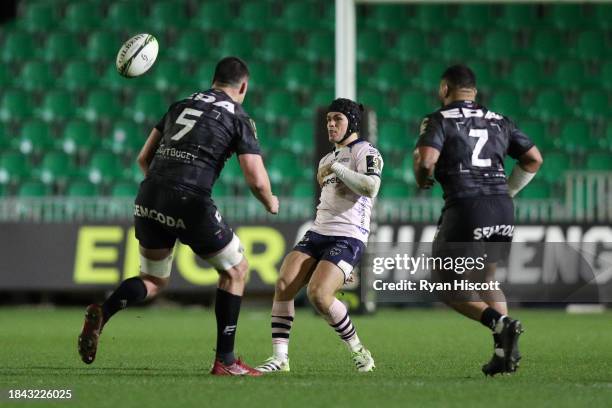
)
(490, 317)
(227, 309)
(130, 292)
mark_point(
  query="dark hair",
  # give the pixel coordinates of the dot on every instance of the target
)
(230, 71)
(459, 76)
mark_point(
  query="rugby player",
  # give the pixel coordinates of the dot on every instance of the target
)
(324, 259)
(181, 160)
(463, 146)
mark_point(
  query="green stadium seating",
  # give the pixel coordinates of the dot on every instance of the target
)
(101, 104)
(203, 75)
(570, 75)
(516, 17)
(575, 136)
(471, 17)
(428, 17)
(554, 167)
(102, 46)
(413, 106)
(322, 97)
(125, 16)
(232, 173)
(549, 106)
(605, 77)
(538, 133)
(283, 168)
(547, 46)
(375, 100)
(454, 47)
(13, 167)
(55, 167)
(166, 15)
(6, 76)
(387, 76)
(79, 76)
(386, 17)
(300, 140)
(57, 105)
(147, 106)
(497, 46)
(36, 76)
(277, 45)
(33, 189)
(485, 80)
(536, 190)
(394, 190)
(594, 105)
(261, 76)
(254, 15)
(298, 76)
(393, 138)
(319, 46)
(104, 167)
(428, 79)
(78, 138)
(18, 46)
(81, 189)
(34, 137)
(409, 46)
(566, 16)
(369, 46)
(303, 189)
(599, 161)
(4, 191)
(61, 47)
(235, 43)
(526, 76)
(191, 45)
(124, 189)
(278, 105)
(603, 15)
(607, 140)
(302, 16)
(220, 189)
(82, 16)
(213, 15)
(133, 173)
(126, 137)
(591, 46)
(507, 102)
(38, 17)
(15, 106)
(168, 75)
(112, 80)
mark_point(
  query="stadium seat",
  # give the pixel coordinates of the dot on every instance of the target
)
(498, 45)
(124, 189)
(570, 75)
(471, 17)
(594, 105)
(38, 17)
(538, 133)
(6, 76)
(507, 102)
(56, 167)
(213, 15)
(190, 46)
(81, 189)
(15, 106)
(61, 47)
(485, 80)
(147, 106)
(547, 46)
(603, 15)
(565, 16)
(319, 46)
(104, 167)
(517, 17)
(166, 15)
(454, 47)
(57, 105)
(168, 75)
(599, 162)
(303, 189)
(13, 167)
(79, 76)
(232, 172)
(369, 46)
(607, 140)
(126, 137)
(556, 164)
(536, 190)
(575, 136)
(34, 137)
(36, 76)
(413, 106)
(591, 46)
(17, 47)
(221, 189)
(285, 169)
(321, 97)
(387, 76)
(300, 140)
(100, 105)
(393, 137)
(235, 43)
(78, 138)
(525, 76)
(427, 17)
(33, 189)
(82, 17)
(300, 14)
(102, 46)
(298, 76)
(386, 17)
(428, 79)
(254, 15)
(409, 46)
(394, 190)
(277, 105)
(125, 16)
(203, 75)
(261, 76)
(605, 76)
(375, 100)
(277, 46)
(549, 106)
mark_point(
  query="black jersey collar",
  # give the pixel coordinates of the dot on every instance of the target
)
(462, 104)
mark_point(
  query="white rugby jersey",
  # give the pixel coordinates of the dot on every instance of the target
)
(341, 212)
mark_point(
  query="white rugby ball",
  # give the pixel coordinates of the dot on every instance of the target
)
(137, 55)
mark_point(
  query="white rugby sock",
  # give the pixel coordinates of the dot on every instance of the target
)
(338, 318)
(282, 320)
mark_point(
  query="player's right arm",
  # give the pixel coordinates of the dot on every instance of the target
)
(529, 160)
(148, 150)
(258, 181)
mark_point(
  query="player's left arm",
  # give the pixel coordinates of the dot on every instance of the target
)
(427, 152)
(148, 150)
(366, 180)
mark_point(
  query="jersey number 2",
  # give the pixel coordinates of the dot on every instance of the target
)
(187, 123)
(483, 136)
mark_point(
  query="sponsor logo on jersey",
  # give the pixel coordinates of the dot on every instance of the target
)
(174, 153)
(486, 232)
(331, 180)
(335, 251)
(372, 164)
(144, 212)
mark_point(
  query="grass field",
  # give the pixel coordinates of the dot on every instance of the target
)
(160, 358)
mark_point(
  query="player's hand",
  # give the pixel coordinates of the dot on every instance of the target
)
(273, 205)
(323, 172)
(427, 184)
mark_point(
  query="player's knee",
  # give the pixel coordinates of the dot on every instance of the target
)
(282, 285)
(238, 273)
(319, 298)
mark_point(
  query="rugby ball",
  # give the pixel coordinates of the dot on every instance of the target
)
(137, 55)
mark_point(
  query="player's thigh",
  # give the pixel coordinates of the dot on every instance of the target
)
(337, 263)
(296, 269)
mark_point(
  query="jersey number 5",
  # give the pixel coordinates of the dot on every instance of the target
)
(483, 136)
(188, 123)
